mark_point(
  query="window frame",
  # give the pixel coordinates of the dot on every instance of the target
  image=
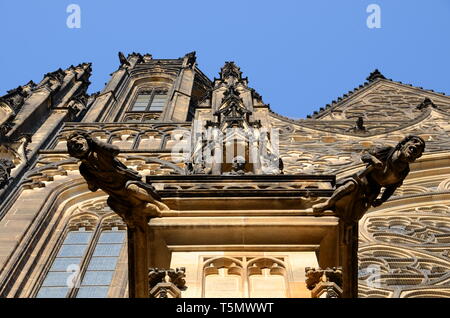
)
(106, 223)
(152, 92)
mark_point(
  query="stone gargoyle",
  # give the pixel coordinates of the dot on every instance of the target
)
(102, 170)
(387, 167)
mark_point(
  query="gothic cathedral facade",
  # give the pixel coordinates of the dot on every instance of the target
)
(239, 181)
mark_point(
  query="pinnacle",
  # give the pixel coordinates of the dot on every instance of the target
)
(376, 74)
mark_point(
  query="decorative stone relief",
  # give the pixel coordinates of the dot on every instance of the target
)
(405, 253)
(324, 283)
(166, 283)
(5, 171)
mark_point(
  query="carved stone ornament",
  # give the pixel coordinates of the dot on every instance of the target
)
(426, 103)
(230, 69)
(324, 283)
(5, 171)
(123, 60)
(191, 59)
(166, 282)
(387, 167)
(14, 148)
(129, 196)
(375, 75)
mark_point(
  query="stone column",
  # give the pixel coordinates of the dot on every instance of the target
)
(348, 246)
(138, 256)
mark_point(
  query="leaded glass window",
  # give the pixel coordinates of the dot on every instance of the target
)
(102, 264)
(65, 265)
(84, 265)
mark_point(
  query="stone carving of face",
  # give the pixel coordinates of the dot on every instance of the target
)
(412, 149)
(78, 146)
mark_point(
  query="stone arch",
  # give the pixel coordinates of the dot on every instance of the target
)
(223, 277)
(267, 277)
(59, 213)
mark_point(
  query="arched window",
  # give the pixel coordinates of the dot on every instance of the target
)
(223, 278)
(86, 261)
(67, 261)
(267, 278)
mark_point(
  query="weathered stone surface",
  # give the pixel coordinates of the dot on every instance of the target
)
(387, 168)
(128, 194)
(240, 231)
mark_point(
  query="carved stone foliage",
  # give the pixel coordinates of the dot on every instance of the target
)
(232, 112)
(376, 74)
(166, 283)
(324, 283)
(13, 152)
(12, 102)
(10, 106)
(405, 252)
(14, 149)
(426, 103)
(230, 69)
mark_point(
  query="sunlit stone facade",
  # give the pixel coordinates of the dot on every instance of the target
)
(238, 178)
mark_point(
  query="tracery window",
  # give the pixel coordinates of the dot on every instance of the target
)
(86, 261)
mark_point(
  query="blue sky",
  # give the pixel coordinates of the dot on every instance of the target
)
(299, 55)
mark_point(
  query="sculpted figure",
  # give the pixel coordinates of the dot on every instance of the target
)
(387, 167)
(102, 170)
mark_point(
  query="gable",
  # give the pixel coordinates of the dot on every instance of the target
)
(384, 100)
